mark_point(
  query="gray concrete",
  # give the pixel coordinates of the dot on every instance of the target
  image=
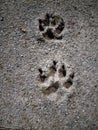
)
(22, 104)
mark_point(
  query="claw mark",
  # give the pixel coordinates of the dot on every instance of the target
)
(62, 71)
(46, 21)
(41, 28)
(72, 75)
(54, 62)
(40, 70)
(53, 68)
(42, 76)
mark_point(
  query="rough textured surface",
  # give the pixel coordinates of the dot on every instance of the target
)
(22, 104)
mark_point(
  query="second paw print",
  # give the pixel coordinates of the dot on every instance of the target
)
(51, 26)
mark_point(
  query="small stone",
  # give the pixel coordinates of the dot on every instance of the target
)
(2, 19)
(34, 105)
(32, 69)
(73, 106)
(49, 49)
(23, 30)
(21, 55)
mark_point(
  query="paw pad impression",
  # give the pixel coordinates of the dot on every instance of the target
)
(51, 26)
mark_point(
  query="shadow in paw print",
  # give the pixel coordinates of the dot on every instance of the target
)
(69, 81)
(60, 27)
(49, 34)
(51, 26)
(52, 88)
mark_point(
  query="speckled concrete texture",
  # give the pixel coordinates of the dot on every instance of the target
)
(22, 103)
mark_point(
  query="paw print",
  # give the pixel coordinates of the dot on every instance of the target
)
(51, 26)
(55, 80)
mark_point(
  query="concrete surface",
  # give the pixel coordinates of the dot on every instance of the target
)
(22, 104)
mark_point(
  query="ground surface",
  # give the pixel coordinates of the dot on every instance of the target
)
(23, 105)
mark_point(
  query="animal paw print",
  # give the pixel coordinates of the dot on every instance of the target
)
(51, 26)
(54, 79)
